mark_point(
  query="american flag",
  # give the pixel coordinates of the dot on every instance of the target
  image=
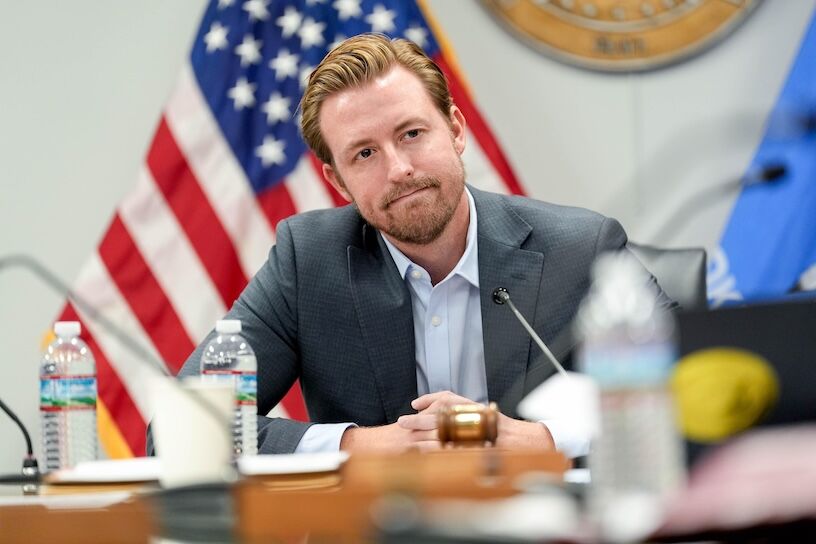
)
(226, 164)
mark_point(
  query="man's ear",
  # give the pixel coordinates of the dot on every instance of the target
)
(458, 129)
(332, 177)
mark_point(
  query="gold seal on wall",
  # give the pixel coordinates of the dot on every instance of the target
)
(621, 35)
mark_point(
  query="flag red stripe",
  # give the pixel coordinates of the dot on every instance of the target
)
(294, 404)
(336, 197)
(144, 295)
(276, 203)
(479, 128)
(112, 392)
(185, 197)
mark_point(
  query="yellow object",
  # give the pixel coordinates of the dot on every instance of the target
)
(110, 438)
(722, 391)
(47, 338)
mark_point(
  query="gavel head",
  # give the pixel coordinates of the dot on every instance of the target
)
(468, 424)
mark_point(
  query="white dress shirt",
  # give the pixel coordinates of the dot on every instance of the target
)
(448, 341)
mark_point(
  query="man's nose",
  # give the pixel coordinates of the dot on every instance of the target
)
(400, 167)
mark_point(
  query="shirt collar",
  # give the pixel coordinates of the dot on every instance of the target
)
(468, 265)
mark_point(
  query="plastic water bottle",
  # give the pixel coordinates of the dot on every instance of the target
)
(68, 399)
(629, 348)
(230, 358)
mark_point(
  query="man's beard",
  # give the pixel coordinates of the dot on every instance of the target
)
(419, 222)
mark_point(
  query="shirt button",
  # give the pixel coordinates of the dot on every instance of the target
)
(416, 274)
(436, 321)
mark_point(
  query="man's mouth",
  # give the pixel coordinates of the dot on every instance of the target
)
(416, 189)
(409, 194)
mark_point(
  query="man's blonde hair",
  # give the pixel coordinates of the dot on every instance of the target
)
(357, 61)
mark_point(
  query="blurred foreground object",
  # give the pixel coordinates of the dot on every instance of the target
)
(766, 477)
(629, 348)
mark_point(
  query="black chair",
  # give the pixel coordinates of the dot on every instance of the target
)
(680, 272)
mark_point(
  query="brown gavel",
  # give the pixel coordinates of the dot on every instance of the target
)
(468, 424)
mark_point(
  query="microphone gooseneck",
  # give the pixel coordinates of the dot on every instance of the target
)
(141, 354)
(501, 296)
(31, 469)
(15, 419)
(60, 287)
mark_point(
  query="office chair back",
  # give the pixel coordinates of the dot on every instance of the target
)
(680, 272)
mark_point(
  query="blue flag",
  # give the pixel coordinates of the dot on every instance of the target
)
(768, 247)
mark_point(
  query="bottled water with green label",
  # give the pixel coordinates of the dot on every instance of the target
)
(68, 399)
(229, 358)
(629, 348)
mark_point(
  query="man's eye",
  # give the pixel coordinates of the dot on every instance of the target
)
(412, 133)
(364, 154)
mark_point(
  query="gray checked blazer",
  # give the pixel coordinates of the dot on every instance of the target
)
(329, 307)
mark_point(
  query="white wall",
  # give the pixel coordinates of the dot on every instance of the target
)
(81, 87)
(82, 84)
(630, 146)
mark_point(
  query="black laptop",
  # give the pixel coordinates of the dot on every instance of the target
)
(783, 334)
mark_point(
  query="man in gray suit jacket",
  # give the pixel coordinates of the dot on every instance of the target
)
(383, 309)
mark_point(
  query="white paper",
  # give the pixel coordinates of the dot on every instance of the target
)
(573, 399)
(295, 463)
(138, 469)
(81, 500)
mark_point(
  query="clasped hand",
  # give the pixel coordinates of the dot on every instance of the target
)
(419, 431)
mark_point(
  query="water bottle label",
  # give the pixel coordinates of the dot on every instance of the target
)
(246, 388)
(630, 366)
(67, 393)
(218, 376)
(245, 383)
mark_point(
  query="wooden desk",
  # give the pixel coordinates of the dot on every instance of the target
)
(334, 505)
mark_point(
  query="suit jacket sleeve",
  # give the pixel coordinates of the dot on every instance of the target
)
(267, 309)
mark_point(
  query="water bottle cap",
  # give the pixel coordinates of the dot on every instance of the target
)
(228, 326)
(67, 329)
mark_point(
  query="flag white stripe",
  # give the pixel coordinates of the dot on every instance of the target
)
(170, 257)
(306, 189)
(219, 173)
(479, 169)
(98, 289)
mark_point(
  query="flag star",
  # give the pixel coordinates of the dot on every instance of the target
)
(257, 9)
(338, 39)
(243, 94)
(216, 38)
(285, 64)
(277, 108)
(225, 3)
(305, 72)
(311, 33)
(249, 50)
(271, 151)
(346, 9)
(289, 21)
(417, 34)
(381, 19)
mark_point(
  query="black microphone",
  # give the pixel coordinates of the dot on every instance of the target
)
(501, 296)
(769, 173)
(31, 469)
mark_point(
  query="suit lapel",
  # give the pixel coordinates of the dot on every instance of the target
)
(502, 263)
(383, 306)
